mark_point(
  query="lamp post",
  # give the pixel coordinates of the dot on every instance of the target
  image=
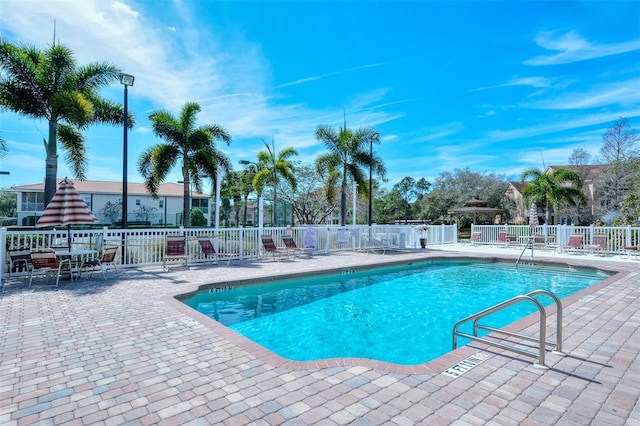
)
(371, 138)
(126, 80)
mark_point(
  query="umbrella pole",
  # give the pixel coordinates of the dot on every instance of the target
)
(69, 237)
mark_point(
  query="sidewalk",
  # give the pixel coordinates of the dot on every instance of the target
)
(122, 351)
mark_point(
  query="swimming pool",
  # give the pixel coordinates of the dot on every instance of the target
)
(402, 314)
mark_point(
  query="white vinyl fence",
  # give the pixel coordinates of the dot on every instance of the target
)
(617, 238)
(145, 247)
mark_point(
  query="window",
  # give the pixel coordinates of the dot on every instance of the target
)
(137, 201)
(32, 201)
(87, 201)
(161, 204)
(202, 204)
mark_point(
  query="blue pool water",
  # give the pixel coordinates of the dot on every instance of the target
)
(401, 314)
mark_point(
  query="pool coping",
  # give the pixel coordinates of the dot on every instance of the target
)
(435, 366)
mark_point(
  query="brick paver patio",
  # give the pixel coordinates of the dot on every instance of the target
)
(123, 351)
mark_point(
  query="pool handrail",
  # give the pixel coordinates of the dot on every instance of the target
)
(542, 343)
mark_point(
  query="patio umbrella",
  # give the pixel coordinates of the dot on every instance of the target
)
(66, 208)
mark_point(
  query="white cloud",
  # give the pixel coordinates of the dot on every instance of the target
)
(520, 81)
(623, 93)
(573, 48)
(584, 120)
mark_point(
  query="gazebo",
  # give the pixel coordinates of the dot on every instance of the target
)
(475, 208)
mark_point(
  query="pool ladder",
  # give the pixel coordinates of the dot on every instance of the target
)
(542, 343)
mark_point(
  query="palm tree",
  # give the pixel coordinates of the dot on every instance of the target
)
(193, 146)
(232, 189)
(349, 152)
(271, 167)
(246, 186)
(47, 85)
(560, 186)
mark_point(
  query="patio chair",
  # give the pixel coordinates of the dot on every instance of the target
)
(598, 243)
(108, 259)
(632, 251)
(46, 262)
(19, 260)
(505, 238)
(210, 251)
(176, 245)
(574, 243)
(270, 248)
(291, 246)
(476, 237)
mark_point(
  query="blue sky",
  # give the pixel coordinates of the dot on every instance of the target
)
(495, 86)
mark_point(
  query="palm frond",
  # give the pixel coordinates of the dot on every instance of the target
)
(72, 142)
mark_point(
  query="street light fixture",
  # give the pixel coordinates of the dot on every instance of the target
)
(126, 80)
(375, 135)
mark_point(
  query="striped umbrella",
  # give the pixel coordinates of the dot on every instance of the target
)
(66, 208)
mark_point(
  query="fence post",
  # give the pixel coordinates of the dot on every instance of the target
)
(3, 241)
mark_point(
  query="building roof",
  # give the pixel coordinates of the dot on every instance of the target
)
(589, 171)
(107, 187)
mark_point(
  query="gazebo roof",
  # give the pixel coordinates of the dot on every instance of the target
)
(474, 208)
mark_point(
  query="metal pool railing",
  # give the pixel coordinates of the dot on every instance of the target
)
(542, 343)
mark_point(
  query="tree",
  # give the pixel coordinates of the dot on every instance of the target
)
(271, 167)
(8, 203)
(408, 190)
(560, 186)
(422, 187)
(193, 146)
(112, 211)
(246, 186)
(580, 160)
(232, 189)
(144, 213)
(621, 157)
(452, 189)
(349, 155)
(48, 85)
(308, 198)
(196, 217)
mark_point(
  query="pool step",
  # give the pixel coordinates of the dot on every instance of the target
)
(565, 271)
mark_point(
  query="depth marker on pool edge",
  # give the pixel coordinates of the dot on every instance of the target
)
(465, 365)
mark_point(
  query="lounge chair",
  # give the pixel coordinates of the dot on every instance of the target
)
(291, 245)
(270, 248)
(632, 251)
(505, 238)
(46, 262)
(176, 246)
(598, 243)
(574, 243)
(108, 259)
(476, 237)
(210, 251)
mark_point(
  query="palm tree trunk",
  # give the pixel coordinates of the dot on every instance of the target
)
(343, 203)
(186, 201)
(51, 163)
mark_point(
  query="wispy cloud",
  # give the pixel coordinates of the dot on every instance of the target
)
(624, 93)
(560, 125)
(329, 74)
(537, 82)
(571, 47)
